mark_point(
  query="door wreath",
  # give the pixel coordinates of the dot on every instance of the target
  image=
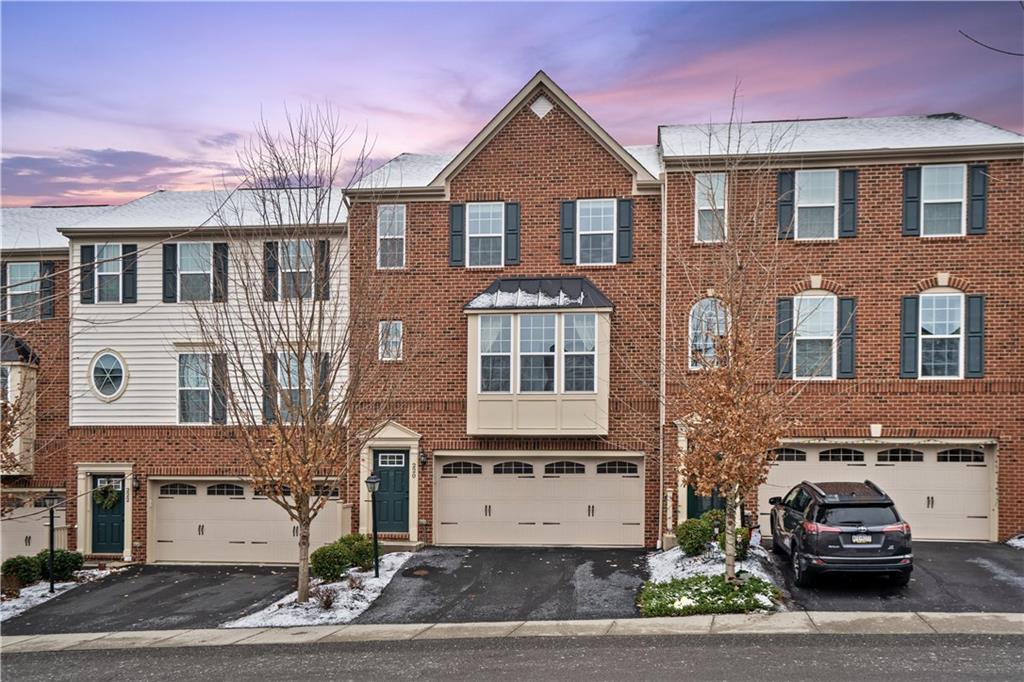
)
(106, 497)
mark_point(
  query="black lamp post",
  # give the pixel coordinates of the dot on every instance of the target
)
(372, 484)
(51, 500)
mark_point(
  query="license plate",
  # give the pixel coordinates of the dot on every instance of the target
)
(861, 539)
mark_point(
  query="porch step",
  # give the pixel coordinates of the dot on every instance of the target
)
(387, 546)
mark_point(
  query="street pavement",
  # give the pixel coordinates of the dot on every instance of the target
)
(835, 657)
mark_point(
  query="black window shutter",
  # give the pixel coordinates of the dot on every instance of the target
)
(784, 338)
(848, 203)
(269, 271)
(974, 359)
(46, 289)
(457, 235)
(787, 190)
(323, 382)
(912, 202)
(129, 273)
(568, 232)
(847, 351)
(625, 231)
(170, 270)
(3, 291)
(909, 317)
(87, 272)
(511, 234)
(269, 382)
(978, 199)
(219, 385)
(323, 270)
(220, 272)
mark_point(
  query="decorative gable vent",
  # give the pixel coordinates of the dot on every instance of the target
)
(541, 106)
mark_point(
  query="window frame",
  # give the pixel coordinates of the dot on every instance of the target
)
(177, 489)
(37, 288)
(283, 270)
(797, 205)
(208, 389)
(389, 325)
(963, 200)
(511, 355)
(98, 263)
(614, 467)
(564, 353)
(724, 208)
(960, 336)
(518, 347)
(380, 237)
(237, 491)
(124, 375)
(834, 337)
(284, 361)
(840, 455)
(500, 236)
(182, 271)
(689, 337)
(527, 469)
(462, 467)
(613, 231)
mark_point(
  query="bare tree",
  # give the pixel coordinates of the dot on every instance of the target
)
(295, 369)
(987, 46)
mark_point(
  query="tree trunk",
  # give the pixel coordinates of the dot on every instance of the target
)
(730, 538)
(303, 562)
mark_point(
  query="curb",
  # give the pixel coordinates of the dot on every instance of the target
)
(786, 622)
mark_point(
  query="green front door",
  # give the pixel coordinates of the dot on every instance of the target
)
(108, 524)
(697, 505)
(393, 495)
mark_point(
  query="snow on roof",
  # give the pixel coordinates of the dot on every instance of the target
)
(550, 292)
(405, 170)
(202, 208)
(35, 228)
(648, 155)
(832, 135)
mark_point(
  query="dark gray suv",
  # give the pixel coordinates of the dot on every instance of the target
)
(841, 528)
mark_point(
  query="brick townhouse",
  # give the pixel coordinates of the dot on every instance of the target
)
(528, 278)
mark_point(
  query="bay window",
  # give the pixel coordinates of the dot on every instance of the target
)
(495, 353)
(579, 334)
(537, 353)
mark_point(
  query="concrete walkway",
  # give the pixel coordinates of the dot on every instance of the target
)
(790, 622)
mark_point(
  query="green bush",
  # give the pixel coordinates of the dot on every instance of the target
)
(703, 594)
(359, 549)
(742, 542)
(24, 568)
(693, 536)
(330, 562)
(65, 564)
(714, 517)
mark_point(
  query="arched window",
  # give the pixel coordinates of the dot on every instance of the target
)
(790, 455)
(900, 455)
(564, 467)
(841, 455)
(226, 490)
(962, 455)
(814, 336)
(708, 325)
(617, 467)
(513, 468)
(455, 468)
(177, 489)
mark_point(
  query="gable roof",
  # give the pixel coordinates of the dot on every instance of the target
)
(525, 293)
(832, 135)
(37, 228)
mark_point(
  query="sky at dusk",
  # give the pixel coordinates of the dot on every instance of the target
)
(102, 103)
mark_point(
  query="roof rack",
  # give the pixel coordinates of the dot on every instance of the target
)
(871, 484)
(815, 488)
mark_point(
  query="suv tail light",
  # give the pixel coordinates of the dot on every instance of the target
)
(898, 528)
(812, 528)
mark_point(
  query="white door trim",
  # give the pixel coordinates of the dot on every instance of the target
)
(392, 436)
(83, 531)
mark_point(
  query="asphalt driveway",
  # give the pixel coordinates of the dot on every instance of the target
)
(948, 576)
(158, 598)
(453, 585)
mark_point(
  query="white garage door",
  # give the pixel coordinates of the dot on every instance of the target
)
(225, 522)
(539, 501)
(944, 493)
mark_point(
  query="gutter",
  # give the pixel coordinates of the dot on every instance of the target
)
(663, 305)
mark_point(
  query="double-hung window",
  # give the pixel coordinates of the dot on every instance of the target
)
(537, 353)
(941, 335)
(297, 268)
(708, 326)
(391, 236)
(817, 210)
(390, 336)
(814, 337)
(595, 230)
(579, 334)
(108, 273)
(710, 207)
(485, 235)
(195, 271)
(295, 380)
(24, 291)
(943, 200)
(194, 398)
(495, 353)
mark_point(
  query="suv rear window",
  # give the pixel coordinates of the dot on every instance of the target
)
(859, 515)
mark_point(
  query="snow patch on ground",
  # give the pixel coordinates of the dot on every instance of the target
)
(1017, 542)
(673, 564)
(347, 606)
(34, 595)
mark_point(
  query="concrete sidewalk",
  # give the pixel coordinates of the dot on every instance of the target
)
(790, 622)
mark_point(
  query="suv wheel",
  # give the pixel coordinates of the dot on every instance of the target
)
(901, 579)
(801, 578)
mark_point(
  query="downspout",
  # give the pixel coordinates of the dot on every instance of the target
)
(661, 358)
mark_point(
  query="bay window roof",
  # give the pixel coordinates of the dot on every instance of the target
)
(549, 293)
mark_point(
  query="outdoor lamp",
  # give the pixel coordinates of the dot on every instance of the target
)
(372, 483)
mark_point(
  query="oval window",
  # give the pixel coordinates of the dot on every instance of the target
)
(108, 375)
